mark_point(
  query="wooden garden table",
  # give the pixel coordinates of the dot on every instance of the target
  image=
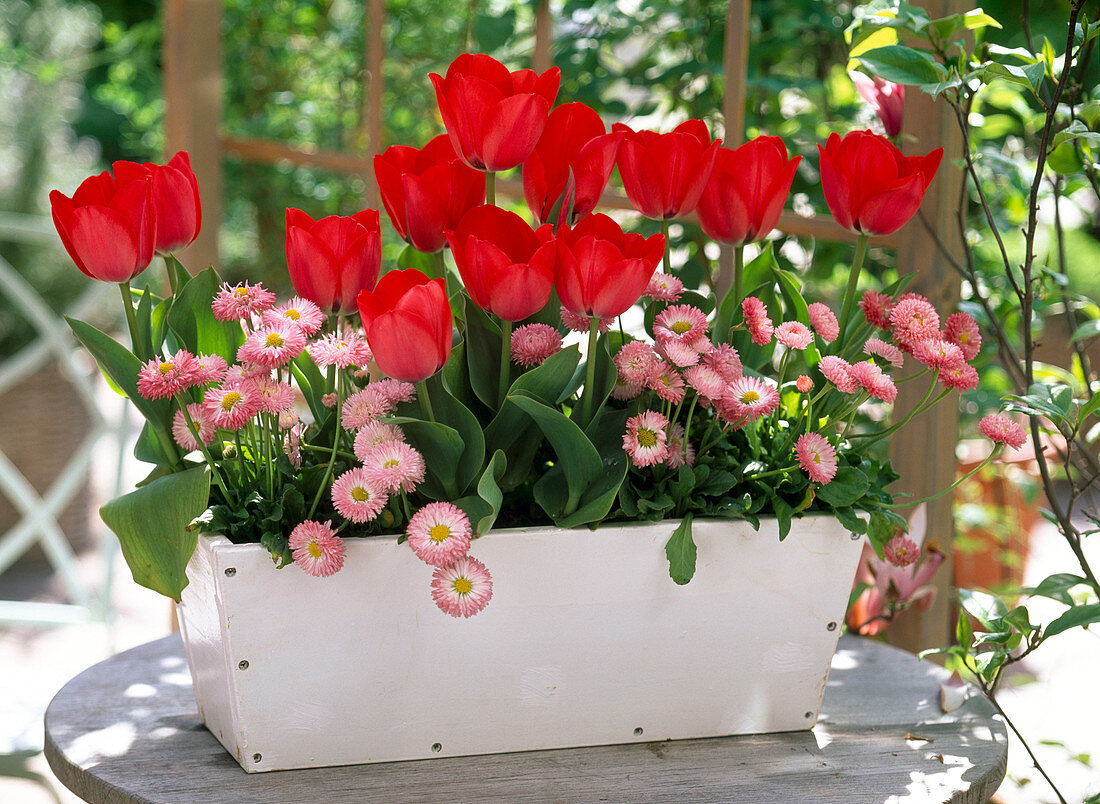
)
(127, 730)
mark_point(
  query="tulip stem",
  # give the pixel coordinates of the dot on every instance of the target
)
(131, 320)
(441, 270)
(667, 257)
(853, 280)
(490, 187)
(505, 355)
(333, 382)
(425, 402)
(738, 270)
(590, 371)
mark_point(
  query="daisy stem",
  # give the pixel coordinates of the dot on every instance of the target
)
(347, 456)
(738, 270)
(925, 404)
(853, 280)
(505, 354)
(214, 469)
(425, 402)
(772, 472)
(131, 321)
(490, 187)
(240, 459)
(334, 382)
(687, 426)
(590, 371)
(668, 247)
(705, 443)
(909, 504)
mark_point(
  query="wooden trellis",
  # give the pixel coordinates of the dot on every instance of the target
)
(924, 452)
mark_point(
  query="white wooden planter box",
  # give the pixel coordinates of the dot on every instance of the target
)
(586, 641)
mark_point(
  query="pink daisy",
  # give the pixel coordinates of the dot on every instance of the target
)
(329, 400)
(163, 377)
(667, 383)
(209, 369)
(705, 381)
(962, 330)
(873, 380)
(293, 445)
(747, 399)
(816, 456)
(287, 419)
(794, 335)
(363, 407)
(837, 371)
(1000, 429)
(804, 384)
(664, 287)
(439, 534)
(913, 320)
(579, 323)
(636, 362)
(876, 308)
(646, 439)
(273, 345)
(462, 589)
(356, 498)
(275, 396)
(187, 437)
(394, 467)
(937, 353)
(298, 312)
(394, 392)
(317, 549)
(901, 552)
(680, 323)
(232, 405)
(876, 347)
(756, 319)
(681, 353)
(960, 378)
(824, 322)
(241, 301)
(533, 343)
(374, 434)
(623, 390)
(680, 451)
(340, 349)
(724, 359)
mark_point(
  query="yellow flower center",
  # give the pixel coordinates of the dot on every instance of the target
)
(440, 533)
(964, 337)
(360, 494)
(749, 397)
(165, 367)
(646, 437)
(462, 586)
(292, 314)
(231, 399)
(240, 293)
(392, 463)
(314, 549)
(680, 327)
(274, 339)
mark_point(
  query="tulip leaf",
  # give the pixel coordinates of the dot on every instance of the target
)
(151, 524)
(545, 383)
(442, 448)
(791, 289)
(144, 315)
(483, 508)
(192, 319)
(312, 383)
(902, 65)
(729, 311)
(681, 552)
(604, 380)
(483, 343)
(1075, 616)
(450, 411)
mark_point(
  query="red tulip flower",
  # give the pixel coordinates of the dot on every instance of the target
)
(887, 97)
(601, 270)
(427, 191)
(571, 163)
(869, 185)
(746, 191)
(108, 226)
(493, 116)
(332, 259)
(664, 174)
(507, 268)
(408, 323)
(175, 193)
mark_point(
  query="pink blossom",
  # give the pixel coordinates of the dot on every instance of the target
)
(747, 399)
(837, 371)
(363, 407)
(873, 380)
(962, 330)
(876, 308)
(395, 466)
(316, 548)
(355, 498)
(329, 400)
(667, 383)
(394, 392)
(681, 322)
(209, 369)
(664, 287)
(189, 437)
(681, 353)
(913, 319)
(680, 451)
(275, 396)
(901, 552)
(824, 322)
(340, 349)
(887, 97)
(756, 319)
(804, 384)
(816, 456)
(375, 434)
(533, 343)
(706, 382)
(298, 312)
(439, 534)
(272, 346)
(164, 377)
(937, 353)
(646, 439)
(636, 363)
(232, 405)
(960, 378)
(241, 301)
(876, 347)
(623, 390)
(579, 323)
(462, 589)
(794, 335)
(1000, 429)
(725, 360)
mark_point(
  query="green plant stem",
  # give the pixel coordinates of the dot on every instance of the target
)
(425, 402)
(347, 456)
(490, 187)
(590, 371)
(505, 360)
(215, 470)
(668, 247)
(853, 280)
(245, 479)
(171, 274)
(131, 321)
(441, 269)
(773, 472)
(333, 381)
(989, 458)
(738, 272)
(918, 409)
(687, 425)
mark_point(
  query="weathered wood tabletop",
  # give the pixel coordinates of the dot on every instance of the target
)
(127, 730)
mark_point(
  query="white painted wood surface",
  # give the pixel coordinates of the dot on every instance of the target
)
(586, 642)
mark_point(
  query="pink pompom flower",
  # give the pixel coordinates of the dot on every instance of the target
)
(837, 370)
(636, 362)
(298, 312)
(962, 330)
(1000, 429)
(340, 349)
(232, 405)
(901, 552)
(873, 380)
(355, 498)
(681, 322)
(960, 378)
(876, 308)
(756, 319)
(938, 353)
(623, 390)
(680, 451)
(913, 319)
(533, 343)
(238, 302)
(317, 549)
(272, 346)
(462, 589)
(646, 439)
(804, 384)
(681, 353)
(275, 397)
(816, 456)
(188, 437)
(163, 377)
(724, 359)
(209, 369)
(579, 323)
(667, 383)
(876, 347)
(824, 322)
(374, 434)
(706, 382)
(747, 399)
(664, 287)
(794, 335)
(439, 534)
(395, 467)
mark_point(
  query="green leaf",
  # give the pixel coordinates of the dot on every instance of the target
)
(1020, 619)
(312, 384)
(192, 319)
(903, 65)
(729, 311)
(544, 383)
(442, 448)
(845, 489)
(1075, 616)
(983, 607)
(483, 344)
(1077, 130)
(976, 18)
(851, 522)
(681, 553)
(152, 527)
(1030, 75)
(450, 411)
(482, 508)
(964, 633)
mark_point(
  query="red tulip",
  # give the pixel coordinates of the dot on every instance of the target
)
(108, 226)
(427, 191)
(332, 259)
(574, 140)
(887, 97)
(408, 323)
(175, 193)
(601, 270)
(746, 191)
(507, 268)
(869, 185)
(664, 174)
(494, 117)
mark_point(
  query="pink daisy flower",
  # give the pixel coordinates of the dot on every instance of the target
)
(724, 359)
(824, 322)
(681, 353)
(187, 437)
(293, 445)
(960, 378)
(363, 407)
(356, 498)
(804, 384)
(533, 343)
(705, 381)
(913, 320)
(664, 287)
(439, 534)
(287, 419)
(374, 434)
(298, 312)
(636, 363)
(232, 405)
(623, 390)
(646, 439)
(317, 549)
(837, 371)
(794, 335)
(962, 330)
(680, 451)
(682, 323)
(241, 301)
(329, 400)
(876, 347)
(275, 396)
(876, 308)
(163, 377)
(1000, 429)
(209, 369)
(272, 346)
(747, 399)
(873, 380)
(340, 349)
(579, 323)
(937, 353)
(462, 589)
(756, 319)
(667, 383)
(394, 467)
(816, 456)
(901, 552)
